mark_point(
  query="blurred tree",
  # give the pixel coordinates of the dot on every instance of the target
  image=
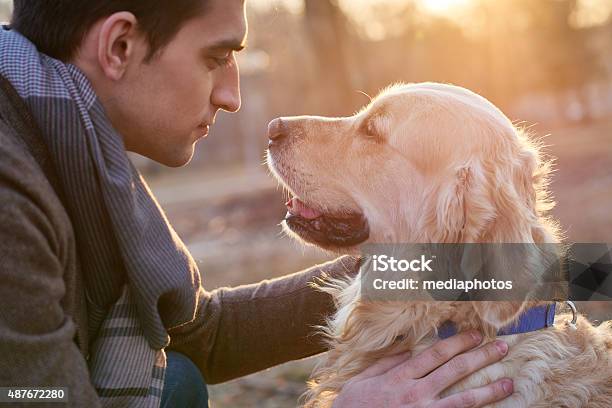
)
(327, 28)
(443, 53)
(562, 51)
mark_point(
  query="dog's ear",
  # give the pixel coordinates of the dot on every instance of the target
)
(521, 267)
(487, 261)
(520, 192)
(526, 178)
(499, 314)
(463, 207)
(531, 181)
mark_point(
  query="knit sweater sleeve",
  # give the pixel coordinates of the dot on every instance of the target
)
(37, 345)
(238, 331)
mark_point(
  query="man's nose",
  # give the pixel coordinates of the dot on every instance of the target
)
(277, 131)
(226, 93)
(227, 99)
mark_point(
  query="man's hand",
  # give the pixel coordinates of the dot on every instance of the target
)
(400, 381)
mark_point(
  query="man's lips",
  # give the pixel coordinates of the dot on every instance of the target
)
(204, 129)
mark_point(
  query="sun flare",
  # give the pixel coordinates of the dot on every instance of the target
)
(442, 6)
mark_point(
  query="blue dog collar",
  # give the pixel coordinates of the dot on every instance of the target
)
(532, 319)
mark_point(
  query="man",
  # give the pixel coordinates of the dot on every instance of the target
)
(96, 286)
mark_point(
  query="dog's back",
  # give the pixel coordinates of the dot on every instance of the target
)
(556, 367)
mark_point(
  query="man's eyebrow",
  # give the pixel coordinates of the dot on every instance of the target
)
(228, 45)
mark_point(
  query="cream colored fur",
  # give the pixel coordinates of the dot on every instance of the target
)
(438, 163)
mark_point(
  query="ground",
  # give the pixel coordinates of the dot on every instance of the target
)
(229, 220)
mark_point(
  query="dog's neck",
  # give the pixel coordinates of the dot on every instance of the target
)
(532, 319)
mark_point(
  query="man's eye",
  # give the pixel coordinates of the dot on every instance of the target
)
(222, 62)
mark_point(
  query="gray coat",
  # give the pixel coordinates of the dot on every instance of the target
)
(43, 315)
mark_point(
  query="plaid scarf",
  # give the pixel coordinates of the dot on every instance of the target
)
(131, 258)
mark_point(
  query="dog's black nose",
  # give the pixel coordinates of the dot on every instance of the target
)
(276, 130)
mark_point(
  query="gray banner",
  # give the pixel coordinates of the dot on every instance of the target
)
(491, 272)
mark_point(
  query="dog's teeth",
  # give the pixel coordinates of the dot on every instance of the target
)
(316, 224)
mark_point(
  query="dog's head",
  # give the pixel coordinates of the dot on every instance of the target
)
(421, 163)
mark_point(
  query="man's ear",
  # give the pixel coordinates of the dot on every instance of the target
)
(117, 42)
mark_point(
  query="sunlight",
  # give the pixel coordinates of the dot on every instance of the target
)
(443, 6)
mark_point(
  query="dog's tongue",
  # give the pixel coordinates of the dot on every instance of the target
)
(297, 207)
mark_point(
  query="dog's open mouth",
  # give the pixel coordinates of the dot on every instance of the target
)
(326, 230)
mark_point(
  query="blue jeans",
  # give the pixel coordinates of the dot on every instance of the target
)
(184, 386)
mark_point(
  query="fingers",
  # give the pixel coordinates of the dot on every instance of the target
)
(436, 355)
(478, 397)
(382, 366)
(465, 364)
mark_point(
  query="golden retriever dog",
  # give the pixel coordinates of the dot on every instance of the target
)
(432, 163)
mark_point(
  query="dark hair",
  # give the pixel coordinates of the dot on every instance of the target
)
(57, 27)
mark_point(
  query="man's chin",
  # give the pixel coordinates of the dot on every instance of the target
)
(174, 158)
(178, 159)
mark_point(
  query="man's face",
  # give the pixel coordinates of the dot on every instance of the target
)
(162, 107)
